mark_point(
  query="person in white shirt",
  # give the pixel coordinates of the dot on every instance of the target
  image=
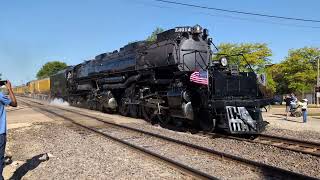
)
(293, 102)
(304, 107)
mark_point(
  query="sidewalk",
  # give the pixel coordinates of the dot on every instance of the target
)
(276, 117)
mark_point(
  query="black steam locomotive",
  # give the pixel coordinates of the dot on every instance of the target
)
(170, 81)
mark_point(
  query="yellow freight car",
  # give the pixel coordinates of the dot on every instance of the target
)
(30, 86)
(41, 86)
(15, 89)
(20, 90)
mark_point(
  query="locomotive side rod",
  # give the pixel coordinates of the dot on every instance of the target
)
(261, 166)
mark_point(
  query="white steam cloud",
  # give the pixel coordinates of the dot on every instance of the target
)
(59, 102)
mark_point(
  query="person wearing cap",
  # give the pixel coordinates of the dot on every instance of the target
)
(304, 107)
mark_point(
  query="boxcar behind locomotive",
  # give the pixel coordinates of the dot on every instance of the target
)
(170, 80)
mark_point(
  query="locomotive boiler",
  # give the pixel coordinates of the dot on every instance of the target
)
(170, 81)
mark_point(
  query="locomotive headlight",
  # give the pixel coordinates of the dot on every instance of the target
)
(197, 29)
(224, 61)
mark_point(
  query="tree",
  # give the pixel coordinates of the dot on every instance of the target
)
(298, 71)
(256, 54)
(271, 83)
(50, 68)
(153, 36)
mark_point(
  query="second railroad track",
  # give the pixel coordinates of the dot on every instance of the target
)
(268, 171)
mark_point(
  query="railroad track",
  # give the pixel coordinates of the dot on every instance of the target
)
(296, 145)
(272, 171)
(181, 167)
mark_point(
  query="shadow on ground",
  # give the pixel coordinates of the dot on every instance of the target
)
(29, 165)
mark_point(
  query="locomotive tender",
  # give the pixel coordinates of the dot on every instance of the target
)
(171, 80)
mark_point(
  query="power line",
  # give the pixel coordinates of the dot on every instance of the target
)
(239, 12)
(233, 17)
(261, 21)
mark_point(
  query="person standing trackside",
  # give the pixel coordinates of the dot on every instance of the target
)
(288, 101)
(304, 107)
(293, 103)
(4, 101)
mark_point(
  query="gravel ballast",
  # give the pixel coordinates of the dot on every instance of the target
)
(302, 135)
(81, 155)
(286, 159)
(208, 163)
(297, 162)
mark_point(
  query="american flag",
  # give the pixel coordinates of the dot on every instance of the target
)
(200, 77)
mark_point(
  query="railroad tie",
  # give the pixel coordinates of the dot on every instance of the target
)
(310, 149)
(277, 143)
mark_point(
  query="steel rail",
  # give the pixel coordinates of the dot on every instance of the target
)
(262, 166)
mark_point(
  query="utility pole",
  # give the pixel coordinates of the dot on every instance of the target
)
(318, 83)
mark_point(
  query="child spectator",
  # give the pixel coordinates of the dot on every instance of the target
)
(304, 107)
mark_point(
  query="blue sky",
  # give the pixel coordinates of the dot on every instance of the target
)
(34, 32)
